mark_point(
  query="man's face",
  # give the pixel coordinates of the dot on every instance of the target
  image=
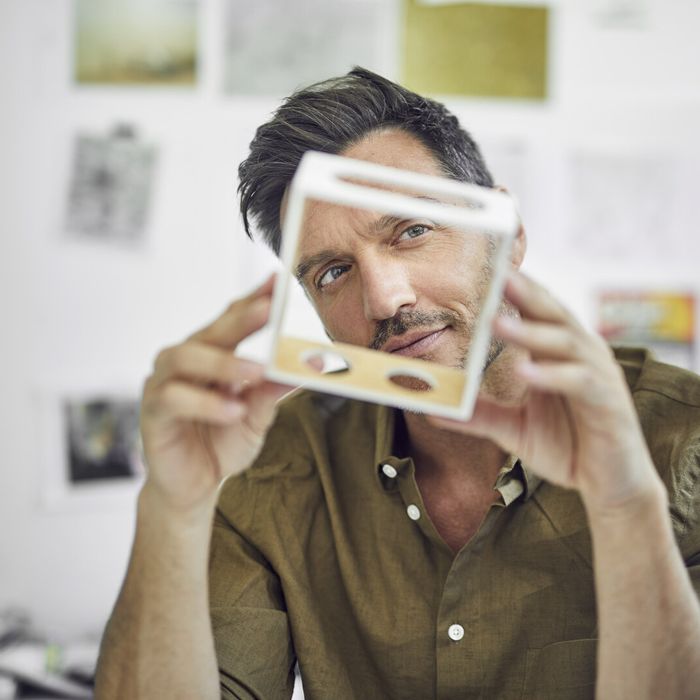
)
(409, 286)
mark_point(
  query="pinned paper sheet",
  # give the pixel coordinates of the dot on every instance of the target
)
(111, 184)
(633, 206)
(621, 14)
(132, 42)
(266, 55)
(662, 321)
(475, 49)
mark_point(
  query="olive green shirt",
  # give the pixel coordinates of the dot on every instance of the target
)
(323, 553)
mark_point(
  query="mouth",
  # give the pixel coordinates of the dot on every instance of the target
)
(415, 343)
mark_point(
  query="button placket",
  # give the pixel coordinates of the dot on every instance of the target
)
(459, 607)
(414, 508)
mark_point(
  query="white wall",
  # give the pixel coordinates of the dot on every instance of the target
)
(91, 312)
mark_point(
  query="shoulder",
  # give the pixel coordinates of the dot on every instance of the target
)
(667, 399)
(645, 374)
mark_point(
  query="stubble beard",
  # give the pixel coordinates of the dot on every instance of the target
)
(463, 326)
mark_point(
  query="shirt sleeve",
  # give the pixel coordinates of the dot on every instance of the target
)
(690, 515)
(683, 485)
(668, 404)
(249, 619)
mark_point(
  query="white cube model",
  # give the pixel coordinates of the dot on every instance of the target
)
(367, 374)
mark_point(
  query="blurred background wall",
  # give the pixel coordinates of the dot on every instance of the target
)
(622, 108)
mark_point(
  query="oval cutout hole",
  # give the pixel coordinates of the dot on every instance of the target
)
(325, 361)
(412, 381)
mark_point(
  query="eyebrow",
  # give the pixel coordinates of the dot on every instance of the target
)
(307, 264)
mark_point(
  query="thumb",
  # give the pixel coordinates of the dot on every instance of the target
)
(262, 400)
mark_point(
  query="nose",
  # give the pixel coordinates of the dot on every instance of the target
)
(386, 287)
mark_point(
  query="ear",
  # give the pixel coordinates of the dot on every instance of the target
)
(517, 254)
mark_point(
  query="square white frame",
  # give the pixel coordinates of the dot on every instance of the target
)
(325, 177)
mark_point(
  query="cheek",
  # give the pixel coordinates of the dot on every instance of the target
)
(453, 271)
(344, 319)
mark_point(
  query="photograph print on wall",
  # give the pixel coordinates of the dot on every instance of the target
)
(111, 185)
(102, 439)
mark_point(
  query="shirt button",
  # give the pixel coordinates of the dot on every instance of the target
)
(413, 512)
(389, 471)
(455, 632)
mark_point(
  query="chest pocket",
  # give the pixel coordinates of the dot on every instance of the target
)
(561, 671)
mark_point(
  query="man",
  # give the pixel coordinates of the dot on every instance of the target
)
(526, 553)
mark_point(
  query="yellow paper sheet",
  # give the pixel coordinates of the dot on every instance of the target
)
(475, 49)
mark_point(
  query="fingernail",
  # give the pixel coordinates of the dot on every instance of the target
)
(239, 387)
(528, 370)
(506, 326)
(260, 305)
(515, 278)
(508, 323)
(263, 286)
(234, 409)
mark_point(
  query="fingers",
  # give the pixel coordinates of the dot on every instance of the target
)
(197, 362)
(564, 358)
(576, 380)
(242, 318)
(266, 288)
(200, 378)
(181, 401)
(261, 404)
(543, 340)
(534, 301)
(546, 329)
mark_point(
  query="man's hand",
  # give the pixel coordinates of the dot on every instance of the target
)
(576, 425)
(205, 412)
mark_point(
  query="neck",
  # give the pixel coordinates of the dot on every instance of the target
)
(446, 455)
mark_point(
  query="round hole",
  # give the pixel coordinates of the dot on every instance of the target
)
(325, 361)
(413, 381)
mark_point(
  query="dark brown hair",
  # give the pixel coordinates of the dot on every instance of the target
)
(330, 116)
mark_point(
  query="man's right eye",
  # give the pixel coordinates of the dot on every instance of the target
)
(331, 275)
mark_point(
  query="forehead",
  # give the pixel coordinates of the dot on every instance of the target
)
(394, 148)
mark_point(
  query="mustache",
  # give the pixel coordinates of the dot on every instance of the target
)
(407, 320)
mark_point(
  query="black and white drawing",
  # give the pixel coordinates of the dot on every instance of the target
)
(266, 55)
(111, 187)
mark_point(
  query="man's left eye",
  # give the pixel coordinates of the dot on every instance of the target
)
(414, 231)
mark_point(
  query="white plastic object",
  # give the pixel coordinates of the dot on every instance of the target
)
(365, 185)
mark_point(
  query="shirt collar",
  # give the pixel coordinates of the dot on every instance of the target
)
(531, 480)
(512, 468)
(384, 438)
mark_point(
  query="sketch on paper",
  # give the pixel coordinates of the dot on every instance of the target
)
(621, 14)
(132, 42)
(630, 207)
(508, 163)
(266, 55)
(111, 185)
(661, 321)
(102, 439)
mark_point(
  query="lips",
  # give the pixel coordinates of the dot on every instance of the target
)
(414, 342)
